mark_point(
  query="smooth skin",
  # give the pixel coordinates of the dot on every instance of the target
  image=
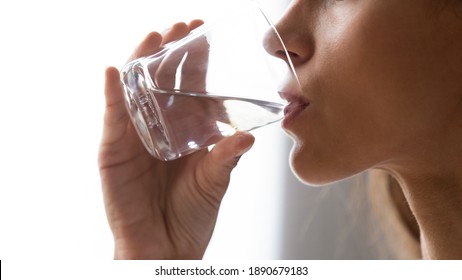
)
(156, 209)
(383, 82)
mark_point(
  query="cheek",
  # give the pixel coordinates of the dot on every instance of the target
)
(345, 130)
(370, 92)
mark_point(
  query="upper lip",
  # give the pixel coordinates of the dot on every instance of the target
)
(290, 90)
(294, 106)
(293, 97)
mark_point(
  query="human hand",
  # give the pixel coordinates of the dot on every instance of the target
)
(157, 209)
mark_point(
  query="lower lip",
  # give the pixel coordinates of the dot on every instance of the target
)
(291, 112)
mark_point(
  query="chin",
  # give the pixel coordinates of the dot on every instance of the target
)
(309, 178)
(314, 170)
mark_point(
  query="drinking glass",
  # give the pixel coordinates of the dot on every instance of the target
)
(217, 80)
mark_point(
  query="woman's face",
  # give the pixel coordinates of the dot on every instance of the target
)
(381, 82)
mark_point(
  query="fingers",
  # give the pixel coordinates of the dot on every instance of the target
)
(191, 60)
(116, 116)
(195, 24)
(165, 73)
(154, 40)
(217, 166)
(227, 151)
(150, 45)
(176, 32)
(194, 70)
(195, 64)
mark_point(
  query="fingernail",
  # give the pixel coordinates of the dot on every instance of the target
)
(244, 143)
(243, 151)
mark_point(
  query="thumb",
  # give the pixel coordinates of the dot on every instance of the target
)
(228, 151)
(215, 171)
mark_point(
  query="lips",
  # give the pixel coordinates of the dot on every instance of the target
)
(291, 91)
(297, 104)
(293, 110)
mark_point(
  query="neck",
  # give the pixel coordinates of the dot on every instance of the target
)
(430, 175)
(434, 195)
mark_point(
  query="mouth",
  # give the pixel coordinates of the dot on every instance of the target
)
(290, 90)
(293, 110)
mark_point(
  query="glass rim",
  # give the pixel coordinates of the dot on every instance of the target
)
(207, 26)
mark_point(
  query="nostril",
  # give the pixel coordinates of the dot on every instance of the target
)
(292, 54)
(273, 45)
(282, 55)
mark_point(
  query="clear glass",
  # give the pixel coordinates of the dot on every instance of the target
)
(206, 86)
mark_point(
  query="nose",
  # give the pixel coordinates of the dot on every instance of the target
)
(272, 44)
(295, 36)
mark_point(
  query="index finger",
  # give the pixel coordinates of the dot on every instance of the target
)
(153, 42)
(150, 45)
